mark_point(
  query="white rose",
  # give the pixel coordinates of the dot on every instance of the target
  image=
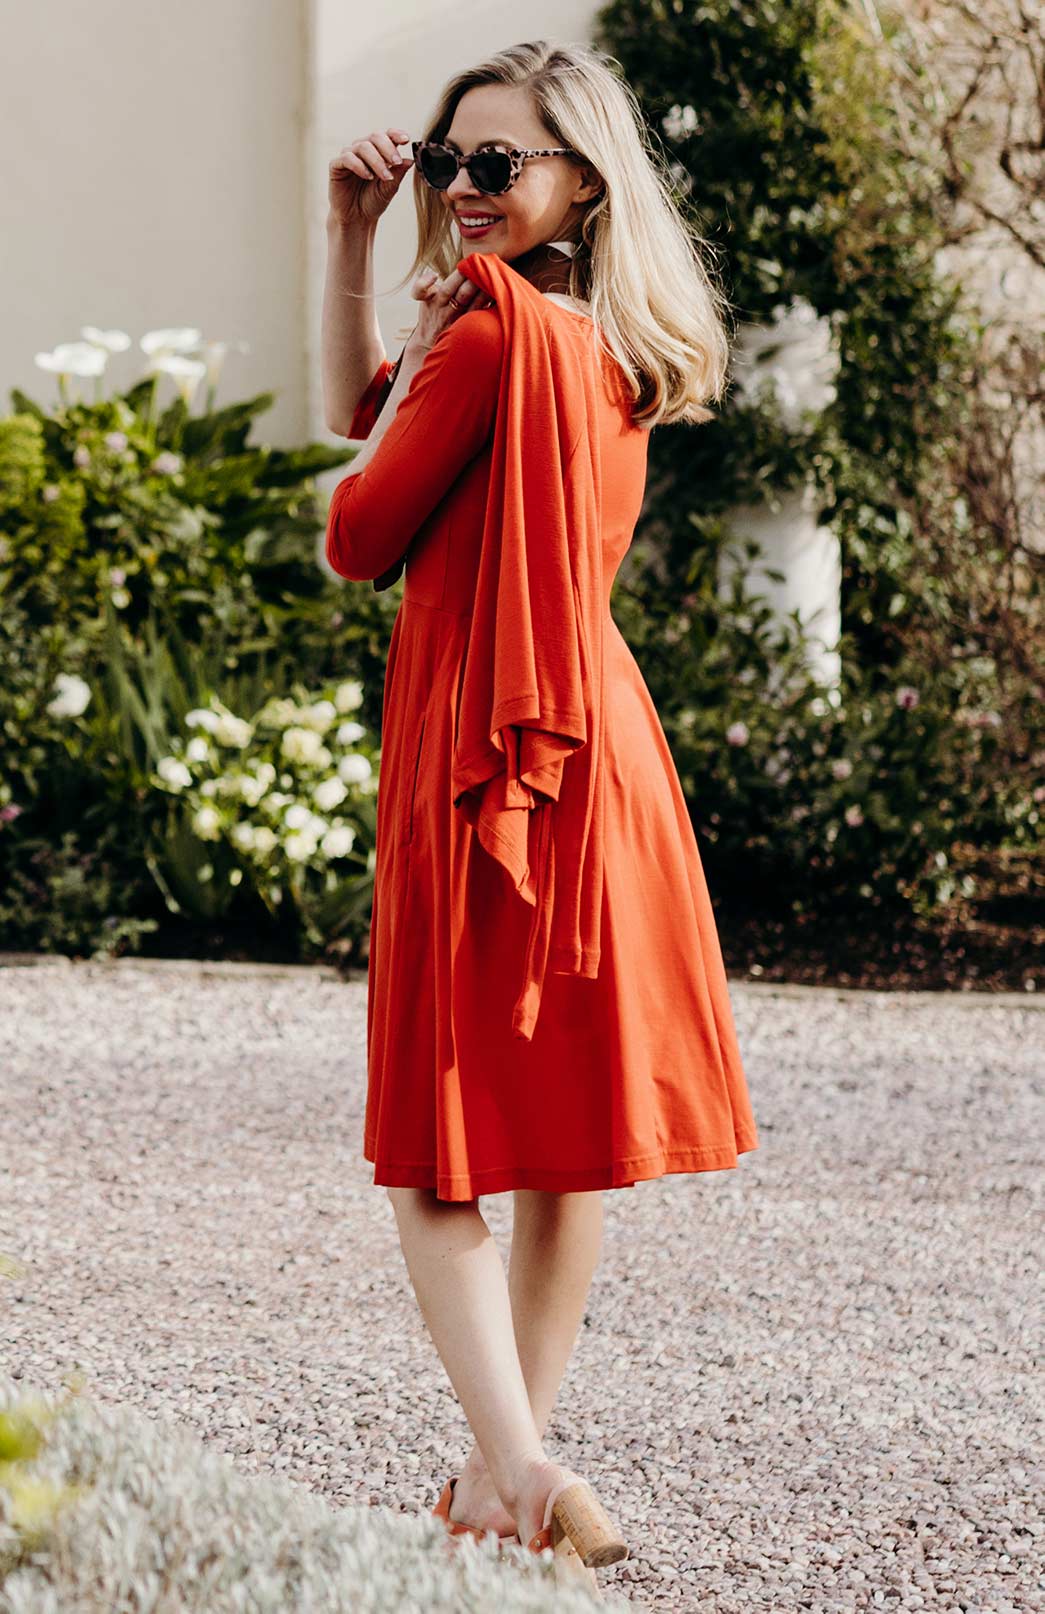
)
(279, 712)
(318, 716)
(348, 695)
(330, 794)
(206, 824)
(202, 718)
(231, 730)
(174, 773)
(354, 769)
(71, 698)
(349, 733)
(338, 842)
(301, 745)
(251, 789)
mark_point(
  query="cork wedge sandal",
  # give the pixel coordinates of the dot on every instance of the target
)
(578, 1531)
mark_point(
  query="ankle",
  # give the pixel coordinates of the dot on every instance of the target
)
(529, 1483)
(474, 1471)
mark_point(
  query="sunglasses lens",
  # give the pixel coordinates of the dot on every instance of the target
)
(491, 170)
(438, 166)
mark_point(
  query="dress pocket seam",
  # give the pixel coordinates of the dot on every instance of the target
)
(408, 832)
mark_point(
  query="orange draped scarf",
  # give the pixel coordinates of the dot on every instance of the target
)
(527, 768)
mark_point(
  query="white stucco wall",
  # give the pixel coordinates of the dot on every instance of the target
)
(154, 175)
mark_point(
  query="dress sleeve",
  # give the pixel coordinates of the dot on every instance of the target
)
(369, 406)
(442, 422)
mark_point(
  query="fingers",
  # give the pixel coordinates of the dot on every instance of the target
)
(423, 284)
(465, 291)
(376, 156)
(373, 153)
(465, 294)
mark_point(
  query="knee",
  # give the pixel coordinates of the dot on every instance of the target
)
(547, 1202)
(408, 1200)
(422, 1201)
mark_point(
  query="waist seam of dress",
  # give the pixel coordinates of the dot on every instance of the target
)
(442, 610)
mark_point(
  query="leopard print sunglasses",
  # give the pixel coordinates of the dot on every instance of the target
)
(493, 169)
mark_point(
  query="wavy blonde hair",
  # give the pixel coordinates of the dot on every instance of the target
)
(653, 301)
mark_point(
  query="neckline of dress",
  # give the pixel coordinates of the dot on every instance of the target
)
(561, 299)
(573, 305)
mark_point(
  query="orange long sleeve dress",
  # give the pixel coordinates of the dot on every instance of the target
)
(547, 1003)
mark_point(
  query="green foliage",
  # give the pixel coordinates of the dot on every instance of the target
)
(779, 131)
(177, 517)
(147, 563)
(779, 127)
(181, 513)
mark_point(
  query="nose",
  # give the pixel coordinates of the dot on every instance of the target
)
(461, 186)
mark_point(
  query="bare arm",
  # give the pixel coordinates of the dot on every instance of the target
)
(352, 347)
(364, 176)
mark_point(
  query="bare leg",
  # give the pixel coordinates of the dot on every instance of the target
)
(556, 1243)
(461, 1287)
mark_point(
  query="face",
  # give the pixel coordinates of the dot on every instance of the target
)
(544, 204)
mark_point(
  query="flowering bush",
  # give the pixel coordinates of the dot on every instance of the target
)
(284, 798)
(125, 502)
(149, 556)
(812, 797)
(825, 216)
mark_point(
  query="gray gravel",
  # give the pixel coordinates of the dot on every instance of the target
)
(804, 1384)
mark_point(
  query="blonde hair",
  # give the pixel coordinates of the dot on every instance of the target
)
(638, 264)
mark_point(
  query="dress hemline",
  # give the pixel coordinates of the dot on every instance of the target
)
(501, 1179)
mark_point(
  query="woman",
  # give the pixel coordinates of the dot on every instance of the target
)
(547, 1009)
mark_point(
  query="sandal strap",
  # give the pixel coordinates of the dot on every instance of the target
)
(455, 1526)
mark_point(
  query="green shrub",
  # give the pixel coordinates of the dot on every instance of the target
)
(151, 561)
(779, 127)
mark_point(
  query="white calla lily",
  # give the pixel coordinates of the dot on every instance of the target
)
(73, 358)
(185, 373)
(111, 341)
(172, 339)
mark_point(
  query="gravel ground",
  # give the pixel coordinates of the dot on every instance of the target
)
(803, 1384)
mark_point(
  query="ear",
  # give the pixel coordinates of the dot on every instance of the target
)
(591, 184)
